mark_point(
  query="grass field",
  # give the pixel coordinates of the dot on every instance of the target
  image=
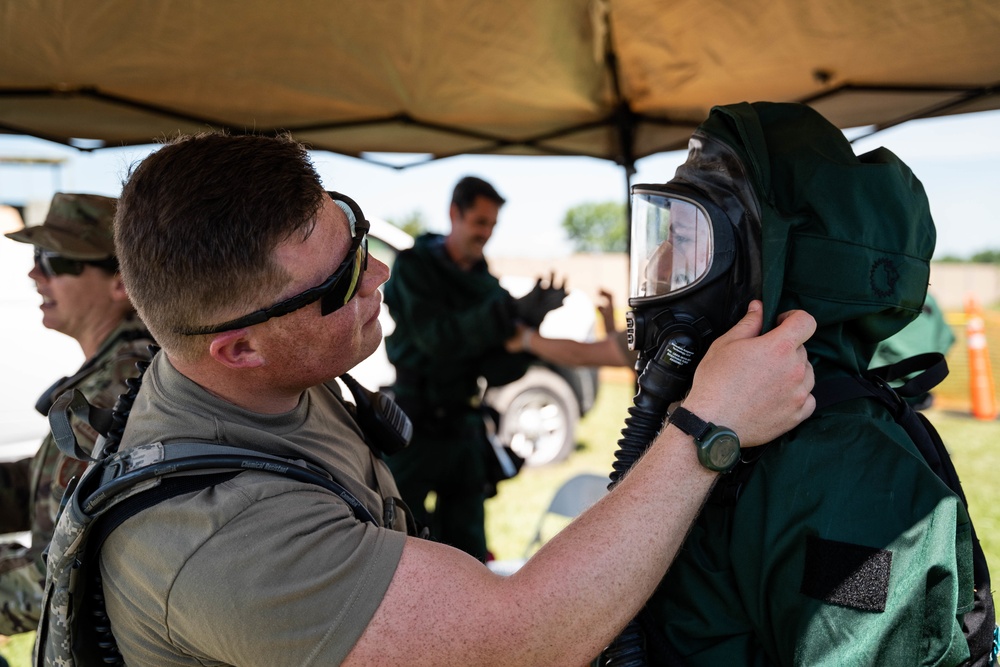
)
(512, 516)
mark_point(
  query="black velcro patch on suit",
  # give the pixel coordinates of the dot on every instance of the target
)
(849, 575)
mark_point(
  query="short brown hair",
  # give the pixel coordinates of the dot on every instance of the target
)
(198, 222)
(466, 190)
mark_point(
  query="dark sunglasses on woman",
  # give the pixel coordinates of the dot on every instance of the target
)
(53, 264)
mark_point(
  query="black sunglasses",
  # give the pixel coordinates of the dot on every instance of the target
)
(52, 264)
(335, 291)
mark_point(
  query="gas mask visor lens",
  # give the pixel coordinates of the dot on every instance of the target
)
(672, 244)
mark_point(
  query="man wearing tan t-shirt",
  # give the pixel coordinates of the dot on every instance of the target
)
(262, 570)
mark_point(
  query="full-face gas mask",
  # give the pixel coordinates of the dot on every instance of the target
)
(695, 266)
(695, 262)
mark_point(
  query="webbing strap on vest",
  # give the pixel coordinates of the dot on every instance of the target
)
(148, 463)
(74, 628)
(101, 647)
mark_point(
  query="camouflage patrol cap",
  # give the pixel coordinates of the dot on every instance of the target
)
(77, 226)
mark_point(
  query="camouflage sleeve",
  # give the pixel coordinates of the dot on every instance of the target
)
(21, 571)
(22, 580)
(22, 574)
(15, 486)
(102, 388)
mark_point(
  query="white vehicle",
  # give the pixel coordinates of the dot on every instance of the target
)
(538, 412)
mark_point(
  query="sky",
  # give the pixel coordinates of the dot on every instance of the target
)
(957, 158)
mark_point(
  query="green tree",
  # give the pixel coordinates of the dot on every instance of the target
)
(413, 223)
(991, 256)
(597, 227)
(950, 259)
(987, 257)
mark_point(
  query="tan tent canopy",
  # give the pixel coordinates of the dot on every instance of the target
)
(614, 79)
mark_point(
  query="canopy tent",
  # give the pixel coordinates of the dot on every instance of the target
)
(613, 79)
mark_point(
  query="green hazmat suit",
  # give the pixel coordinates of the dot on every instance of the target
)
(928, 333)
(842, 547)
(451, 325)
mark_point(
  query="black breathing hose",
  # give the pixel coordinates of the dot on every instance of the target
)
(665, 379)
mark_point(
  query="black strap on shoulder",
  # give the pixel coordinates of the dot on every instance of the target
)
(169, 487)
(99, 645)
(930, 369)
(217, 457)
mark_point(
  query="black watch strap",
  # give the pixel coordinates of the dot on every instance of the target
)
(689, 422)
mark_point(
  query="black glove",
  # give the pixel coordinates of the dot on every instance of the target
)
(535, 305)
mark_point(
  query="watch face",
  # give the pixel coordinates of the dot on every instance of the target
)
(724, 451)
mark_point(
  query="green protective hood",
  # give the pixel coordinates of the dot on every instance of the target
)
(846, 238)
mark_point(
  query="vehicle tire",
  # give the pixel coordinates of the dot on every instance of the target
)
(538, 416)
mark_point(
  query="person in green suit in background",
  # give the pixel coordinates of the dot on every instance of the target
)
(928, 333)
(452, 321)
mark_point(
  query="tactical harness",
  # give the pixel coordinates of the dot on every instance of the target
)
(74, 628)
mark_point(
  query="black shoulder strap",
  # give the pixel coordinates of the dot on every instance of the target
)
(121, 471)
(169, 487)
(99, 646)
(922, 373)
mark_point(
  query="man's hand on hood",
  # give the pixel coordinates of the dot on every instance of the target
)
(757, 385)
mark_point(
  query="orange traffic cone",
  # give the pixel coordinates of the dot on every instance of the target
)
(980, 375)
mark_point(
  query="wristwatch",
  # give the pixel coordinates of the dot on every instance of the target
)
(718, 446)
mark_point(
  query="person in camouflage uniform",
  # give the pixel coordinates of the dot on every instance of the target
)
(76, 274)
